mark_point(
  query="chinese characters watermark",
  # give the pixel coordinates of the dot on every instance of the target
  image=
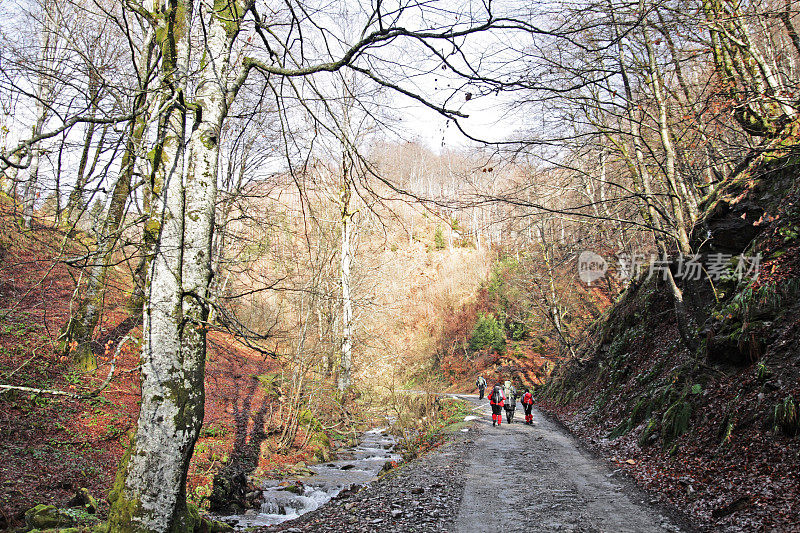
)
(689, 267)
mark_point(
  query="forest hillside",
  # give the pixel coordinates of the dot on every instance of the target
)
(236, 235)
(712, 426)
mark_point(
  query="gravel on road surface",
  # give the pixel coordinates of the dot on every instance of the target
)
(510, 478)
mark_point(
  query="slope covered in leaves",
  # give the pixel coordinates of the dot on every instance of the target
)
(713, 429)
(54, 442)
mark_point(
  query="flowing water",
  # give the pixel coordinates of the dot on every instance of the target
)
(352, 468)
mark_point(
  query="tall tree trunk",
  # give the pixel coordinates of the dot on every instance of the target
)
(79, 330)
(31, 186)
(642, 176)
(346, 361)
(78, 333)
(8, 180)
(669, 150)
(150, 493)
(75, 203)
(43, 94)
(747, 72)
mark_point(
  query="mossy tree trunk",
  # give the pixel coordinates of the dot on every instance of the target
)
(76, 203)
(669, 234)
(150, 494)
(764, 105)
(77, 334)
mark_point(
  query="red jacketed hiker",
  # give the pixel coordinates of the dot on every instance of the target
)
(527, 404)
(496, 400)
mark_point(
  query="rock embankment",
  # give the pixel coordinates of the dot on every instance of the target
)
(420, 496)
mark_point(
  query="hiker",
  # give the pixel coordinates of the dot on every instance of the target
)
(511, 403)
(481, 384)
(496, 400)
(510, 391)
(527, 404)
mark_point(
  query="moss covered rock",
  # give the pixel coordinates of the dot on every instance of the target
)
(85, 500)
(47, 517)
(214, 526)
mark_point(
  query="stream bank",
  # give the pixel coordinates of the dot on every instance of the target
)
(416, 497)
(350, 470)
(555, 486)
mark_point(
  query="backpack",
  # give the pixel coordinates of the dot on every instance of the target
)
(527, 398)
(496, 396)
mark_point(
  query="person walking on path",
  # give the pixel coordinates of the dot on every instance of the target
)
(527, 404)
(511, 403)
(496, 400)
(510, 391)
(481, 384)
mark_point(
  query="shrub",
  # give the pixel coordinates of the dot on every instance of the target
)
(488, 333)
(785, 417)
(519, 330)
(438, 239)
(675, 421)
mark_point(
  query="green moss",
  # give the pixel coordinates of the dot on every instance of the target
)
(47, 517)
(84, 359)
(213, 526)
(294, 489)
(123, 506)
(271, 383)
(191, 518)
(675, 421)
(151, 230)
(321, 444)
(229, 12)
(209, 140)
(75, 339)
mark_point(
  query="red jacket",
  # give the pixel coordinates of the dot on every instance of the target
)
(502, 398)
(527, 398)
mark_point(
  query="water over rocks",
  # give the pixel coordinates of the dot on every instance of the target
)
(352, 469)
(420, 496)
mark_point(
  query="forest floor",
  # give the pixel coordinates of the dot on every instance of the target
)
(509, 478)
(52, 445)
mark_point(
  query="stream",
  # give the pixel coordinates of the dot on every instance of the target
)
(353, 467)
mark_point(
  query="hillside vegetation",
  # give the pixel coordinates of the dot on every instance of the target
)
(65, 429)
(713, 428)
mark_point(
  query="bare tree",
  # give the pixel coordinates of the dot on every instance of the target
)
(153, 499)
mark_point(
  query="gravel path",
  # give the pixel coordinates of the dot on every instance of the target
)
(512, 478)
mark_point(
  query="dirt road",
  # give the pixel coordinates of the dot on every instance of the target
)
(519, 478)
(514, 478)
